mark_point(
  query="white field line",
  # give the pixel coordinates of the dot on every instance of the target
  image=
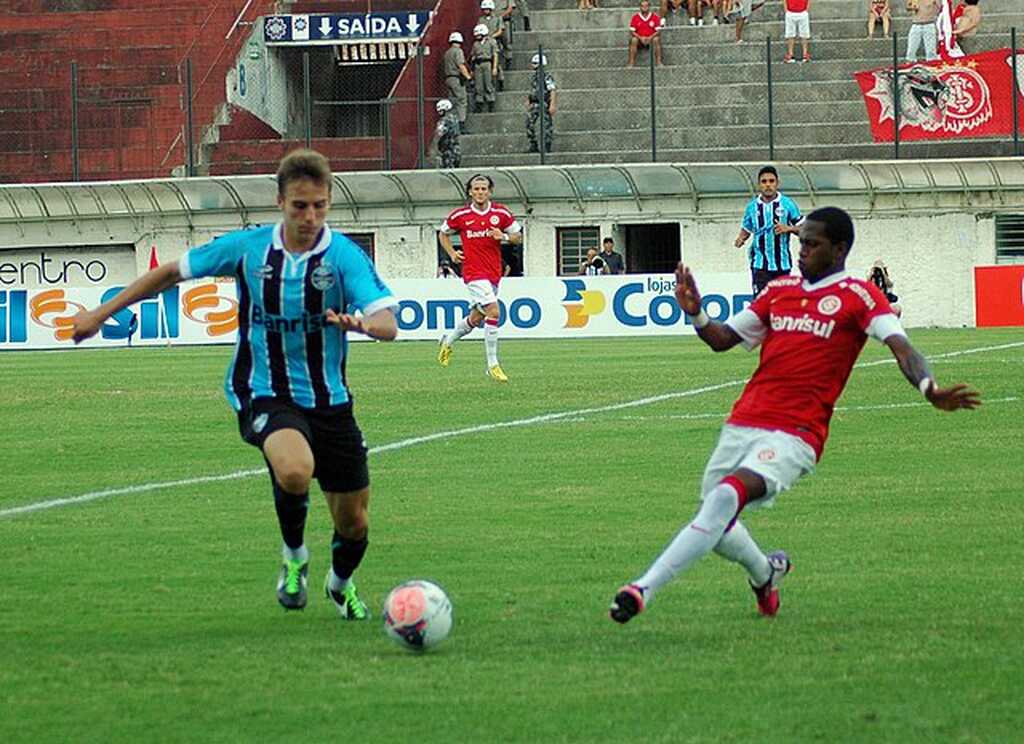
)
(449, 434)
(720, 415)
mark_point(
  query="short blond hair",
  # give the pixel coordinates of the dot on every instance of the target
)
(303, 163)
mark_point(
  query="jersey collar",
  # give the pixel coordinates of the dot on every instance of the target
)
(472, 205)
(321, 244)
(828, 281)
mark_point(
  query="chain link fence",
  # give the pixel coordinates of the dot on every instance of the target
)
(374, 107)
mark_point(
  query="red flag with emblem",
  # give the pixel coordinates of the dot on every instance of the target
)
(957, 99)
(153, 262)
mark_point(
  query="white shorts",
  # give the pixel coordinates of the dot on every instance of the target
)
(798, 24)
(780, 458)
(482, 293)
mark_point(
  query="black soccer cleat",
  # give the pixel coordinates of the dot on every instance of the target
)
(628, 603)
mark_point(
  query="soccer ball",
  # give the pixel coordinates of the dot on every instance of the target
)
(417, 614)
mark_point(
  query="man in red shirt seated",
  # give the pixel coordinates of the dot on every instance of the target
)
(645, 30)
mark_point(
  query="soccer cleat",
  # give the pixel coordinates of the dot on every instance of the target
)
(628, 603)
(788, 59)
(291, 585)
(444, 353)
(497, 374)
(350, 607)
(768, 593)
(807, 58)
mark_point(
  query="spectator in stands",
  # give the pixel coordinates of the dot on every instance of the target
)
(798, 23)
(484, 57)
(878, 10)
(670, 7)
(645, 30)
(771, 217)
(741, 12)
(922, 30)
(456, 76)
(697, 8)
(614, 260)
(496, 30)
(593, 264)
(967, 24)
(444, 147)
(535, 109)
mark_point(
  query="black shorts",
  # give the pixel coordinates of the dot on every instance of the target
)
(760, 277)
(339, 451)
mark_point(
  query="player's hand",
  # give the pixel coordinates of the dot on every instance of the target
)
(954, 397)
(85, 325)
(739, 241)
(457, 256)
(687, 294)
(496, 233)
(780, 228)
(345, 321)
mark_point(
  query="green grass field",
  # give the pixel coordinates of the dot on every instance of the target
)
(150, 615)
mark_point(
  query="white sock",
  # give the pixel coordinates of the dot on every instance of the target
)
(694, 541)
(461, 329)
(738, 546)
(335, 583)
(491, 341)
(300, 553)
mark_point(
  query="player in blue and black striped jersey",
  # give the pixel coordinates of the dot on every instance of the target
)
(300, 286)
(771, 217)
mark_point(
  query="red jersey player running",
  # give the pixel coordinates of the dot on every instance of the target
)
(483, 226)
(811, 331)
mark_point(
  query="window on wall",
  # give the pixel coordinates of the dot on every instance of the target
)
(1010, 238)
(573, 244)
(364, 241)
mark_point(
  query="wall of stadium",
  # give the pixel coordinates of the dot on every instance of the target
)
(930, 246)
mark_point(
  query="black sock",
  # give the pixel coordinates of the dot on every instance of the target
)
(291, 515)
(346, 555)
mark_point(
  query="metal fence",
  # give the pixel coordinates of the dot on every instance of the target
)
(375, 114)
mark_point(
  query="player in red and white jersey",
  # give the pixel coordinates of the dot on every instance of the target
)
(483, 226)
(811, 331)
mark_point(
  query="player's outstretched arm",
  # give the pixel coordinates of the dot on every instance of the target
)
(381, 325)
(915, 368)
(87, 323)
(718, 336)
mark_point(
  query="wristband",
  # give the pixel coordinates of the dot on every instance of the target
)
(925, 385)
(700, 320)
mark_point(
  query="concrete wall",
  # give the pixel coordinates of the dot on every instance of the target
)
(930, 251)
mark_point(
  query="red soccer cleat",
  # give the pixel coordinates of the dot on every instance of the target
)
(768, 593)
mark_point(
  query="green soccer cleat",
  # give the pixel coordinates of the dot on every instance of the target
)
(291, 585)
(350, 607)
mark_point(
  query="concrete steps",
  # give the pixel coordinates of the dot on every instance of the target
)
(711, 93)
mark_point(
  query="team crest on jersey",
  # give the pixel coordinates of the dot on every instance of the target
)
(494, 219)
(829, 305)
(260, 422)
(266, 271)
(766, 455)
(322, 277)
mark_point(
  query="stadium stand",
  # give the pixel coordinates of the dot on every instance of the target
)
(711, 93)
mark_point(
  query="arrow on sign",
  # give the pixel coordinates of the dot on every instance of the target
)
(413, 23)
(325, 26)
